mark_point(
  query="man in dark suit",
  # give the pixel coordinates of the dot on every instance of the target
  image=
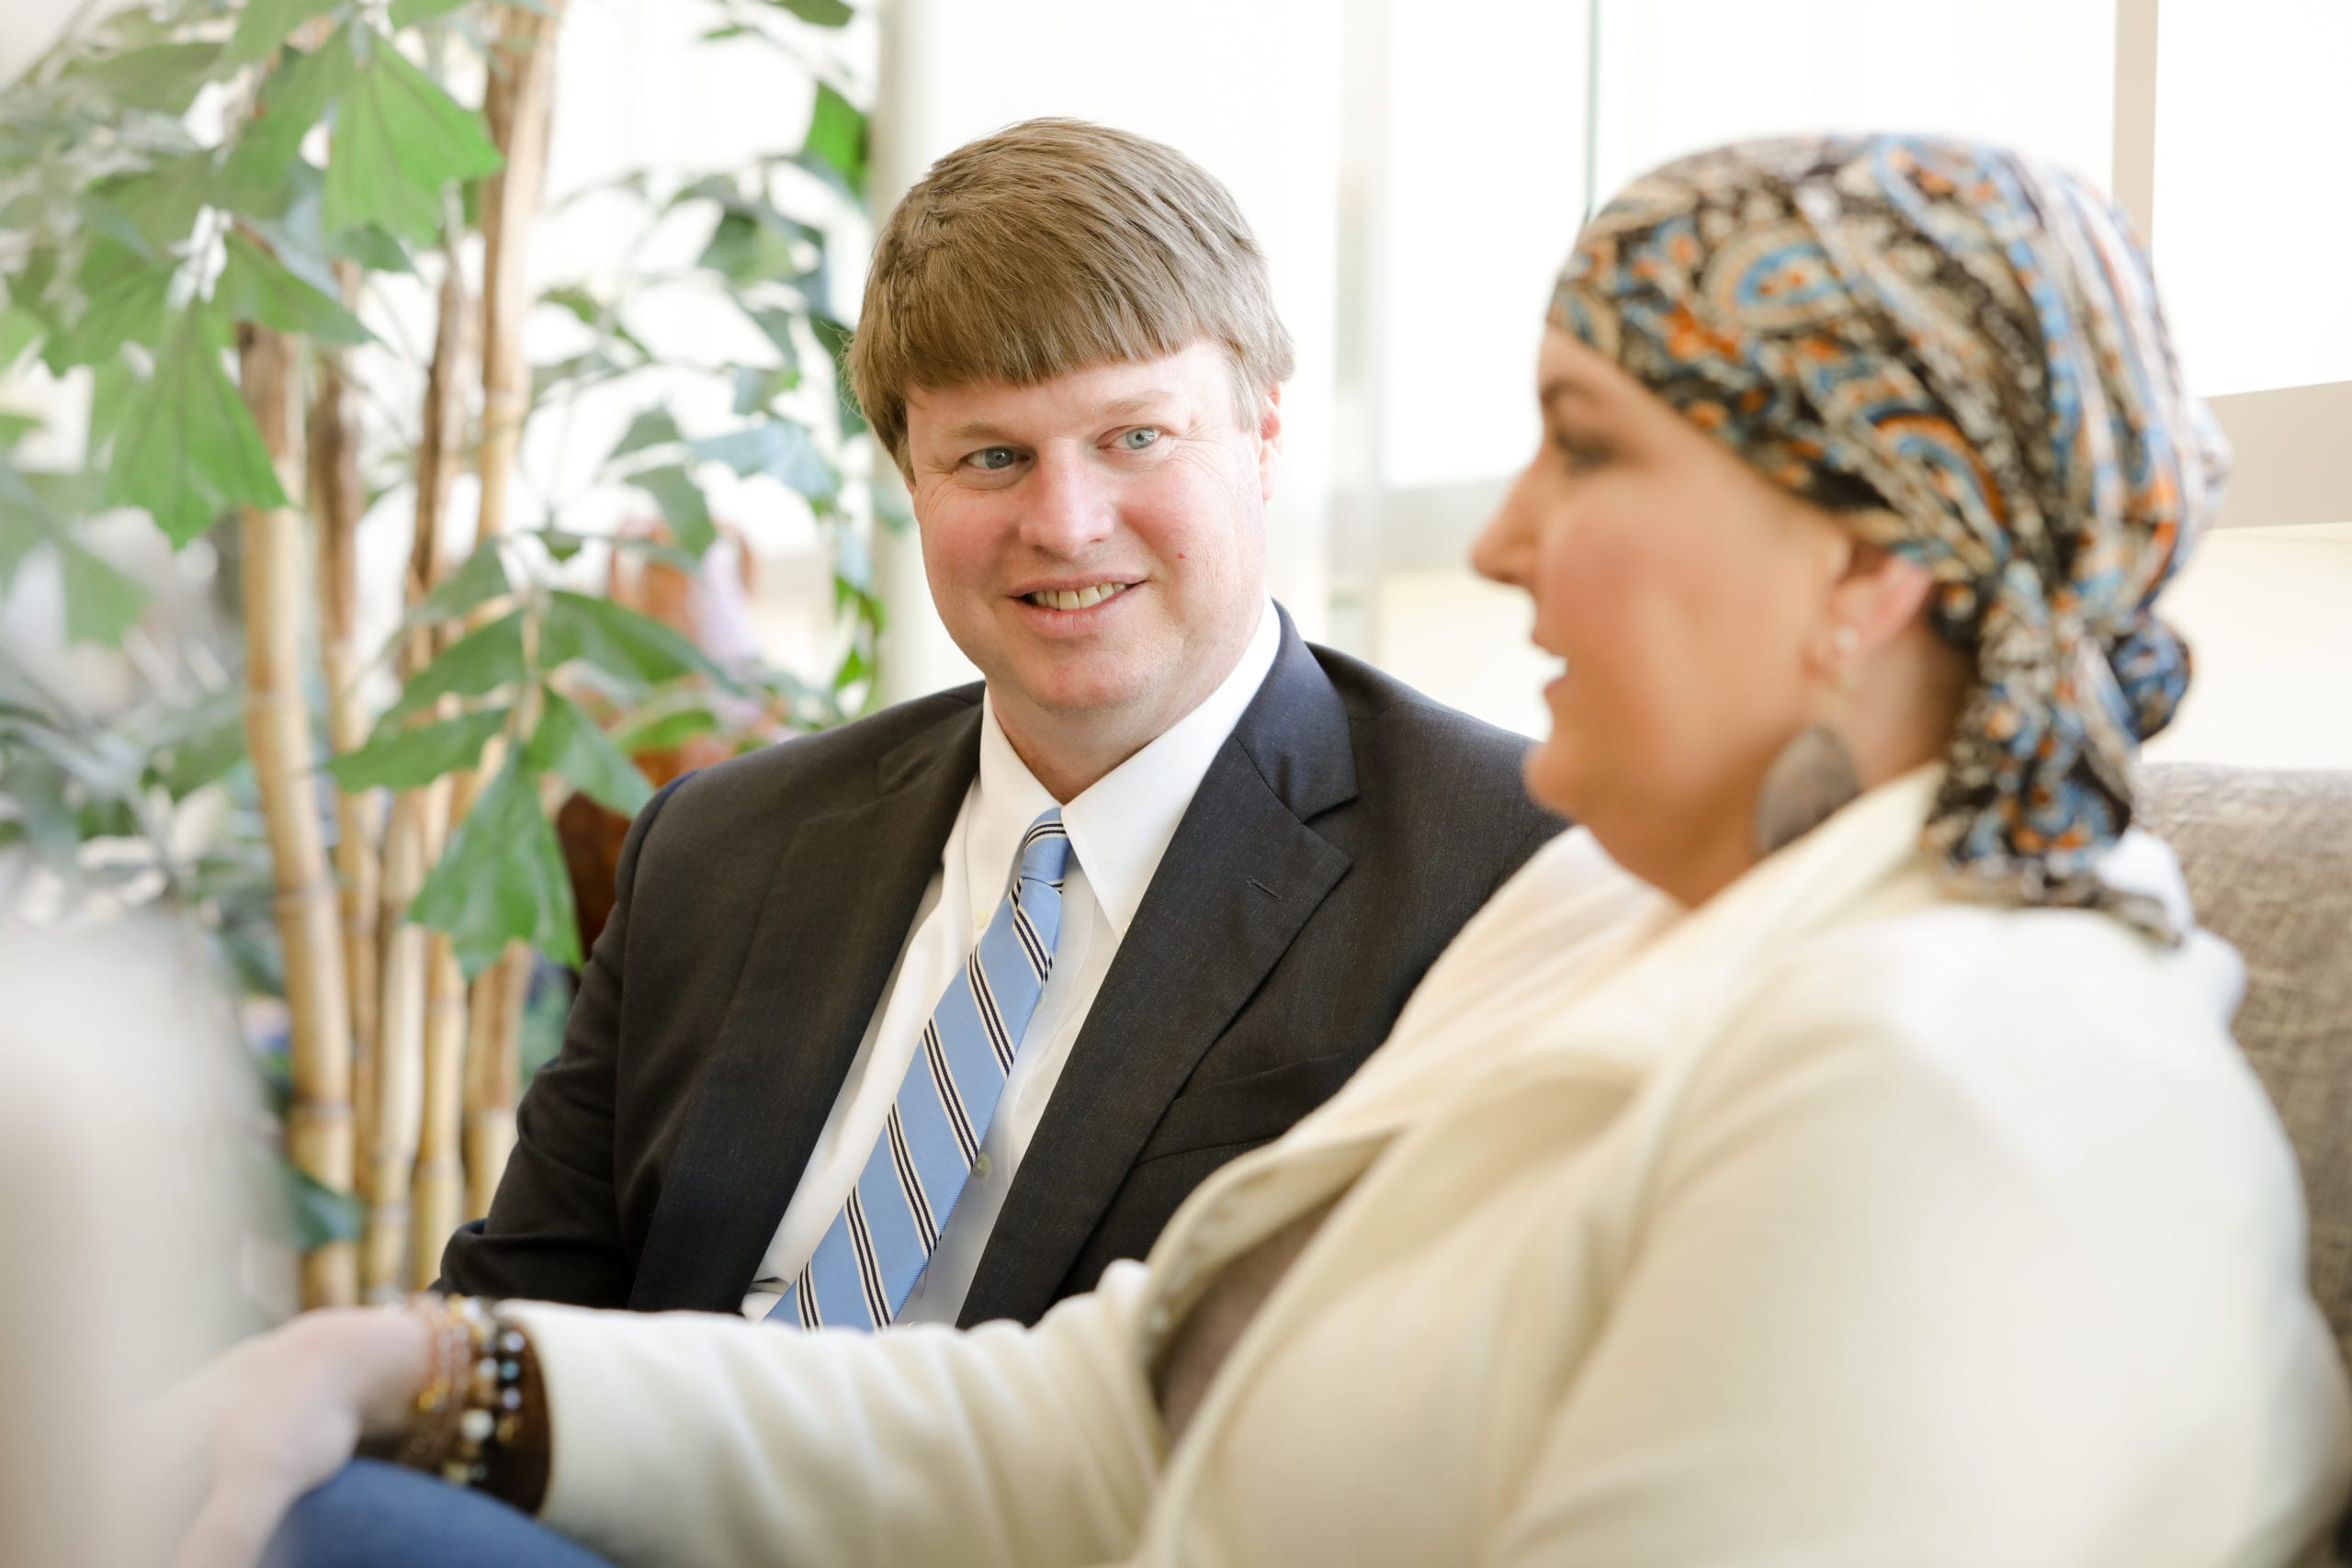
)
(934, 1016)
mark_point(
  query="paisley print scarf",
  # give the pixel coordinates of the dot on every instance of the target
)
(1960, 350)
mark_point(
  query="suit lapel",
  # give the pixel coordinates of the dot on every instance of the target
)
(838, 906)
(1239, 880)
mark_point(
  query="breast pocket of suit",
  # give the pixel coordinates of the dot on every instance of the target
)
(1236, 1114)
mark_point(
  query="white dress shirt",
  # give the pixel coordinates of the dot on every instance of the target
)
(1118, 829)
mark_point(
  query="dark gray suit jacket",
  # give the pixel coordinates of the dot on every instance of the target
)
(1340, 837)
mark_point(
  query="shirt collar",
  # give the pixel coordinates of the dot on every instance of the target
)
(1121, 825)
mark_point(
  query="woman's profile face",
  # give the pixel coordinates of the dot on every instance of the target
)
(1681, 590)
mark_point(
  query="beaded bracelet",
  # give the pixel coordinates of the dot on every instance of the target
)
(470, 1409)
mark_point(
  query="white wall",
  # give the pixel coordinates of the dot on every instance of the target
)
(1248, 89)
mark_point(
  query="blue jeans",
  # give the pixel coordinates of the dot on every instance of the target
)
(381, 1516)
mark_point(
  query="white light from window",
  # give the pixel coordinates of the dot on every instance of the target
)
(1677, 76)
(2252, 228)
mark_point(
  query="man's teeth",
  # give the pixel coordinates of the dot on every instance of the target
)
(1075, 598)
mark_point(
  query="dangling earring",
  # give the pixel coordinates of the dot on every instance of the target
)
(1814, 775)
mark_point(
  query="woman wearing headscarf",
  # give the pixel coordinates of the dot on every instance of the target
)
(1832, 1152)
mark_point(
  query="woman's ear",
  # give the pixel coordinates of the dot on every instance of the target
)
(1878, 593)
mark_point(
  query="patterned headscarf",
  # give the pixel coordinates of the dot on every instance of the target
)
(1960, 350)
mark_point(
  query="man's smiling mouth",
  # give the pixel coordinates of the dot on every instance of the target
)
(1075, 598)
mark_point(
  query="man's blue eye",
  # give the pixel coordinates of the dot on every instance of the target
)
(991, 458)
(1139, 438)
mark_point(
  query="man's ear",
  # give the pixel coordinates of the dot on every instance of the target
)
(1270, 439)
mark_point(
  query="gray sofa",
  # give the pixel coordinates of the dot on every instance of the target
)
(2268, 856)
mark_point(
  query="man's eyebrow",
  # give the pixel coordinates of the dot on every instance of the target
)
(975, 430)
(1123, 408)
(1117, 407)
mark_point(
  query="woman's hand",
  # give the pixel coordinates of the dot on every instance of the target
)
(281, 1413)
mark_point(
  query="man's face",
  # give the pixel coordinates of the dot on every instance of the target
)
(1096, 544)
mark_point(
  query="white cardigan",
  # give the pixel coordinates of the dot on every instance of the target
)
(1833, 1222)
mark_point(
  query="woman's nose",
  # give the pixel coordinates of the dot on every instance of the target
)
(1504, 549)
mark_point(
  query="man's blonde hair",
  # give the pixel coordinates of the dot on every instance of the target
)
(1053, 246)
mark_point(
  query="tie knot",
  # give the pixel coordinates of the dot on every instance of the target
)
(1044, 850)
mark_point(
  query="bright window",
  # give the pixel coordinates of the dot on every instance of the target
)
(2252, 227)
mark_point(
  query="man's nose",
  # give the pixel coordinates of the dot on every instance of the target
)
(1071, 505)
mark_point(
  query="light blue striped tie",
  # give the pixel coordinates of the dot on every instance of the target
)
(878, 1245)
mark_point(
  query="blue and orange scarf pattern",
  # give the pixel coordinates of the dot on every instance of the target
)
(1958, 350)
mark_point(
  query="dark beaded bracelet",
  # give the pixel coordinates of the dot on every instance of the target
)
(469, 1412)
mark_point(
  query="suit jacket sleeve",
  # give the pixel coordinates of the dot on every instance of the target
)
(553, 1232)
(705, 1441)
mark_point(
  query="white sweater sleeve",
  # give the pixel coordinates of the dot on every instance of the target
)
(1911, 1290)
(695, 1439)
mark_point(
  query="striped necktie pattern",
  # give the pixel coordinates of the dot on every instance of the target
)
(878, 1245)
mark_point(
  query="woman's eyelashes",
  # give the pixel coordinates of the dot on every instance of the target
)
(1580, 454)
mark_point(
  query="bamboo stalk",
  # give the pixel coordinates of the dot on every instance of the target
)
(337, 499)
(519, 106)
(494, 1075)
(439, 1189)
(398, 1097)
(412, 1001)
(277, 733)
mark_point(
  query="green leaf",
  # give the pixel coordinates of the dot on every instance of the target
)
(317, 1214)
(568, 744)
(101, 603)
(293, 99)
(817, 13)
(164, 78)
(399, 140)
(265, 24)
(14, 427)
(661, 731)
(114, 395)
(782, 449)
(752, 244)
(483, 660)
(681, 504)
(583, 306)
(204, 751)
(188, 450)
(124, 243)
(721, 188)
(502, 878)
(19, 329)
(653, 427)
(837, 138)
(255, 288)
(481, 580)
(372, 248)
(834, 337)
(414, 757)
(131, 310)
(37, 785)
(617, 642)
(757, 386)
(776, 325)
(562, 544)
(161, 205)
(408, 13)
